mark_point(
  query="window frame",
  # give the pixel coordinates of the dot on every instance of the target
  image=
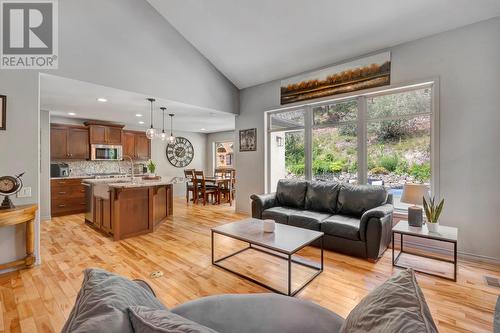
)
(362, 125)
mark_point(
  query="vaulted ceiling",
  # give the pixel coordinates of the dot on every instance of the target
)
(256, 41)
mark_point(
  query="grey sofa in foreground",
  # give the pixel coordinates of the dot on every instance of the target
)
(113, 304)
(356, 219)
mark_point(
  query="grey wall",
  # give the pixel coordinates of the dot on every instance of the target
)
(158, 148)
(44, 164)
(19, 150)
(212, 138)
(123, 44)
(127, 44)
(467, 62)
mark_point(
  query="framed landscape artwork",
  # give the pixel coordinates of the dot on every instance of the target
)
(369, 72)
(3, 112)
(248, 139)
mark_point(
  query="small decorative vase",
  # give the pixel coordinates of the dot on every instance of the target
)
(268, 225)
(433, 227)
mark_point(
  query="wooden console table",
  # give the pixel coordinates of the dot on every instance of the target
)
(21, 214)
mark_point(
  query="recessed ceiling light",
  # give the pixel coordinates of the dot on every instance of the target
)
(203, 129)
(141, 122)
(138, 115)
(102, 100)
(72, 113)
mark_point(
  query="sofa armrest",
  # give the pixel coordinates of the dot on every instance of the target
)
(375, 229)
(262, 202)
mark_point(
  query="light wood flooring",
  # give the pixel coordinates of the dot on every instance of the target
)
(40, 299)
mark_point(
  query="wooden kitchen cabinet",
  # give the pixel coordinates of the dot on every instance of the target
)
(142, 147)
(104, 134)
(69, 142)
(67, 196)
(136, 145)
(102, 215)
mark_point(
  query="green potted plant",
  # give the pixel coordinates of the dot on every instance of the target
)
(151, 168)
(432, 212)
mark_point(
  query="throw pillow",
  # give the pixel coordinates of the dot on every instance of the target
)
(103, 300)
(146, 320)
(398, 305)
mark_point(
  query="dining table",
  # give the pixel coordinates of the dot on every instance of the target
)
(220, 181)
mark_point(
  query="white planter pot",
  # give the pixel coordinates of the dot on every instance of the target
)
(433, 227)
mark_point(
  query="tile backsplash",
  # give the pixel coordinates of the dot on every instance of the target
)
(82, 168)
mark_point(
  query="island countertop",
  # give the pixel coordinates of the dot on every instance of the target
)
(137, 182)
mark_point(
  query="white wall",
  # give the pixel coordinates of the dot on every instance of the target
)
(467, 62)
(164, 168)
(123, 44)
(212, 138)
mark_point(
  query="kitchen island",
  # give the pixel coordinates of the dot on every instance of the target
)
(125, 208)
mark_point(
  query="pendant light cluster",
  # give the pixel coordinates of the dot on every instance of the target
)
(152, 133)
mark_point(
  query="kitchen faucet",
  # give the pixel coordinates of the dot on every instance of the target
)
(131, 167)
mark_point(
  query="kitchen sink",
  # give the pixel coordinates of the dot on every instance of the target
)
(101, 190)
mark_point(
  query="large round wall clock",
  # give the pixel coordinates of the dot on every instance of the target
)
(180, 153)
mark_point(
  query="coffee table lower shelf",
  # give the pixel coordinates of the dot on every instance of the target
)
(285, 256)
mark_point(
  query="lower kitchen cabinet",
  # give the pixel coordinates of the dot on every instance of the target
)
(102, 215)
(67, 197)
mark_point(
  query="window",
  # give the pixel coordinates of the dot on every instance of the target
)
(334, 142)
(398, 140)
(382, 138)
(286, 142)
(224, 155)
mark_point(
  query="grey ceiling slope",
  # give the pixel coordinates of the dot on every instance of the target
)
(256, 41)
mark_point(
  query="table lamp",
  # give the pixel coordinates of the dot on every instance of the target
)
(413, 194)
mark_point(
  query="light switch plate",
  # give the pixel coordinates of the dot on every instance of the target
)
(24, 193)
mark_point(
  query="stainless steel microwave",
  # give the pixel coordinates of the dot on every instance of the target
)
(106, 152)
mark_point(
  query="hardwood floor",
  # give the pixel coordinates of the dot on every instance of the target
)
(40, 299)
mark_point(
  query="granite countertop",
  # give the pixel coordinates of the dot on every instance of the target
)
(90, 177)
(138, 182)
(73, 177)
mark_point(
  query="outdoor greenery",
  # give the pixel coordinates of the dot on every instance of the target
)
(398, 139)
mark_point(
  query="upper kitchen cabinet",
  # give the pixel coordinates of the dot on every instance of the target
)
(69, 142)
(136, 145)
(105, 134)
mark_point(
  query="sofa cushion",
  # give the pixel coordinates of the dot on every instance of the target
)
(341, 226)
(307, 219)
(146, 320)
(103, 301)
(291, 193)
(398, 305)
(260, 313)
(322, 196)
(354, 200)
(279, 214)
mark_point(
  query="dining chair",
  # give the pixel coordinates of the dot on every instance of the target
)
(226, 189)
(203, 189)
(190, 184)
(218, 172)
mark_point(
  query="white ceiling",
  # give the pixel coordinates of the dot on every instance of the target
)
(256, 41)
(61, 96)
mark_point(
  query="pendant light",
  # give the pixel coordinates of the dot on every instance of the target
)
(171, 139)
(163, 135)
(150, 132)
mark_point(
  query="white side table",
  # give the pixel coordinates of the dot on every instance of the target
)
(444, 234)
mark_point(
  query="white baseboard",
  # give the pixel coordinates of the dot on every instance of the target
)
(461, 254)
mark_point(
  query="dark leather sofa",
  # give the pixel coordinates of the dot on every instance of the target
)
(356, 219)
